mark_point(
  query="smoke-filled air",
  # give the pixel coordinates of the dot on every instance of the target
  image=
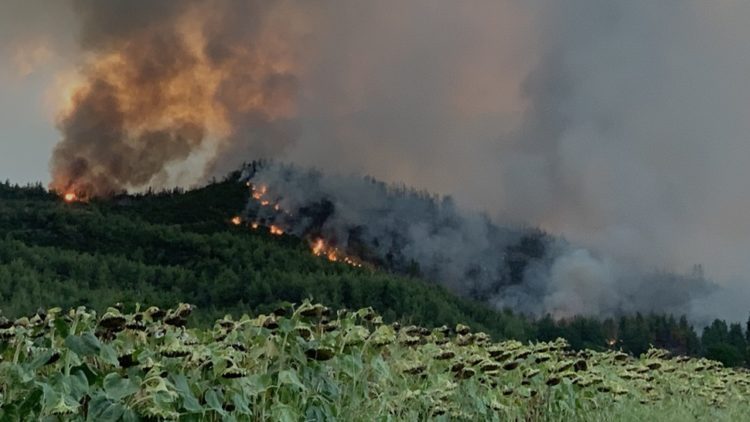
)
(617, 130)
(165, 81)
(361, 221)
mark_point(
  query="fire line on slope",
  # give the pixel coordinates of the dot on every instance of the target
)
(318, 246)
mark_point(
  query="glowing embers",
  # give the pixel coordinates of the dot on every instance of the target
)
(71, 197)
(259, 194)
(258, 191)
(319, 247)
(273, 229)
(276, 230)
(333, 254)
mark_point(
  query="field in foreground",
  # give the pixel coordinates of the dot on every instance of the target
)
(307, 362)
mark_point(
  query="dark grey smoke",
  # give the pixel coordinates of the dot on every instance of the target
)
(414, 232)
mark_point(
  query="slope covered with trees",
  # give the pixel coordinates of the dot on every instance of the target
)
(180, 246)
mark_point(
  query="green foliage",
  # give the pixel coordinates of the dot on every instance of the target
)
(168, 247)
(308, 362)
(175, 246)
(726, 345)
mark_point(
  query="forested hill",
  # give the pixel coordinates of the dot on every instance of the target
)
(180, 246)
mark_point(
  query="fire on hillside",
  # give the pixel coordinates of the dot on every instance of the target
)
(318, 245)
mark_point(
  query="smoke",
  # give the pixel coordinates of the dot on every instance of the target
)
(620, 125)
(413, 232)
(637, 118)
(164, 81)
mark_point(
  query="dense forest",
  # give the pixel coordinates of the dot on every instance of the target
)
(164, 248)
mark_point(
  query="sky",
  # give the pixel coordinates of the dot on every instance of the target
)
(619, 125)
(32, 63)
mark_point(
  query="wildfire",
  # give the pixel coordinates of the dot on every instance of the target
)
(319, 246)
(236, 221)
(352, 262)
(333, 254)
(70, 197)
(275, 230)
(259, 192)
(179, 90)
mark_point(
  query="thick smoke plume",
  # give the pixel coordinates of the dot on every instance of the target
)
(413, 232)
(621, 125)
(166, 80)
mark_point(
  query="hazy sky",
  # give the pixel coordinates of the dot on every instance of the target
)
(35, 53)
(621, 124)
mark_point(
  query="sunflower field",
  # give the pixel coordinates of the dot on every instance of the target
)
(308, 362)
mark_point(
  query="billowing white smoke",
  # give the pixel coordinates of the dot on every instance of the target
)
(409, 231)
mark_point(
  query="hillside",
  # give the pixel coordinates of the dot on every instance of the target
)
(181, 246)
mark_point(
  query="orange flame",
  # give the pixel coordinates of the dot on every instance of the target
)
(275, 230)
(333, 254)
(211, 80)
(258, 192)
(70, 197)
(318, 247)
(236, 221)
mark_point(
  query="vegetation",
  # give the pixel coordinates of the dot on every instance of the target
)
(179, 246)
(307, 362)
